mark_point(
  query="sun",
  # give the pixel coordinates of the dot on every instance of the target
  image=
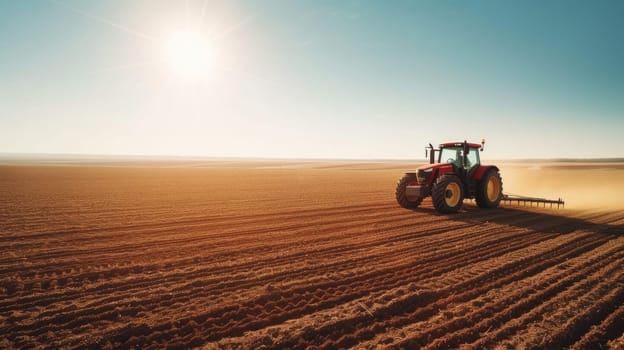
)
(188, 55)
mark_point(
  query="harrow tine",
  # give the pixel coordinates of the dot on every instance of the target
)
(529, 201)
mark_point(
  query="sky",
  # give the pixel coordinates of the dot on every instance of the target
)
(312, 79)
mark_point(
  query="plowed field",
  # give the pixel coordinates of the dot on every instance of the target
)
(296, 255)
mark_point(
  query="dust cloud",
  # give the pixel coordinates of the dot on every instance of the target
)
(581, 186)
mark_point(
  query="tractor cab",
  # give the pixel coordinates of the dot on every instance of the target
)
(463, 156)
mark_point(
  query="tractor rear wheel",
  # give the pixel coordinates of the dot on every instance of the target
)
(402, 198)
(490, 190)
(447, 194)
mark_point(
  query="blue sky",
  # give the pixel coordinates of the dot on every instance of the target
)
(313, 79)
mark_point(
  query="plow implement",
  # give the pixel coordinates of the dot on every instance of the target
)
(530, 201)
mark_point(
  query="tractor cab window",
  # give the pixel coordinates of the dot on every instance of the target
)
(456, 156)
(473, 160)
(451, 155)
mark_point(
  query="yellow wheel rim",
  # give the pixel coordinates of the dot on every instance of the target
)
(451, 194)
(493, 188)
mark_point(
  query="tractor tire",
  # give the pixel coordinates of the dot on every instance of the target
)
(490, 190)
(401, 197)
(447, 194)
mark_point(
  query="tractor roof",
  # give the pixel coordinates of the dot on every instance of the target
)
(459, 144)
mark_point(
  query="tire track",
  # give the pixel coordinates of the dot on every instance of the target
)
(73, 316)
(600, 335)
(524, 295)
(413, 304)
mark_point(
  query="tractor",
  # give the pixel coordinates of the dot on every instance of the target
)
(457, 174)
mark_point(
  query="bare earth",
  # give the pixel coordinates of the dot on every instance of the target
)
(304, 255)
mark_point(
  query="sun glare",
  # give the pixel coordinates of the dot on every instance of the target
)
(188, 55)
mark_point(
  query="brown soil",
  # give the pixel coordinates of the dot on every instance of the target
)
(302, 255)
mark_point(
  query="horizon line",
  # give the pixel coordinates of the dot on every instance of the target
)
(33, 156)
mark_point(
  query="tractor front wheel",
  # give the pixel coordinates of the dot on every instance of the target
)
(490, 190)
(402, 198)
(447, 194)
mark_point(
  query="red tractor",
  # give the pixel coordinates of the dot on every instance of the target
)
(457, 174)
